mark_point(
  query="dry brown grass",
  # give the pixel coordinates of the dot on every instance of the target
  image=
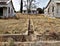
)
(13, 26)
(27, 16)
(45, 24)
(40, 22)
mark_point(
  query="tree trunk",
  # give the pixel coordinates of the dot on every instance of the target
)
(21, 7)
(27, 6)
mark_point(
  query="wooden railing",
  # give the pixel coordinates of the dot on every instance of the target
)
(12, 34)
(40, 43)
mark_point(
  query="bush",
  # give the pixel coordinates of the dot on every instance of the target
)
(40, 11)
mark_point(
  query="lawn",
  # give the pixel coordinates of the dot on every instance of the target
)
(41, 24)
(45, 24)
(13, 26)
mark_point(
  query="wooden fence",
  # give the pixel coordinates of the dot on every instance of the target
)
(39, 43)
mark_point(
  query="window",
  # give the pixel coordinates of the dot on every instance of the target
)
(48, 10)
(9, 9)
(57, 10)
(53, 9)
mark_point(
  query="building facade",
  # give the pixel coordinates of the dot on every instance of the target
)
(6, 8)
(53, 8)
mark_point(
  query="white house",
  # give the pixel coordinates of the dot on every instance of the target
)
(53, 8)
(6, 8)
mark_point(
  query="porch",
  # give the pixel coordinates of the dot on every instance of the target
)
(4, 12)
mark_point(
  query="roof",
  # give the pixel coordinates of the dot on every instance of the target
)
(47, 4)
(4, 0)
(57, 1)
(13, 6)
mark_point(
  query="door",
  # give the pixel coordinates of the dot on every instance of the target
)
(1, 11)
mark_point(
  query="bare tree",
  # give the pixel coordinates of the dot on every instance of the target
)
(29, 3)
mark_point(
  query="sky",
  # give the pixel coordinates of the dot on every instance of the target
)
(39, 4)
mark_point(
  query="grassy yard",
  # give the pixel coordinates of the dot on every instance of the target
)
(41, 24)
(14, 26)
(45, 24)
